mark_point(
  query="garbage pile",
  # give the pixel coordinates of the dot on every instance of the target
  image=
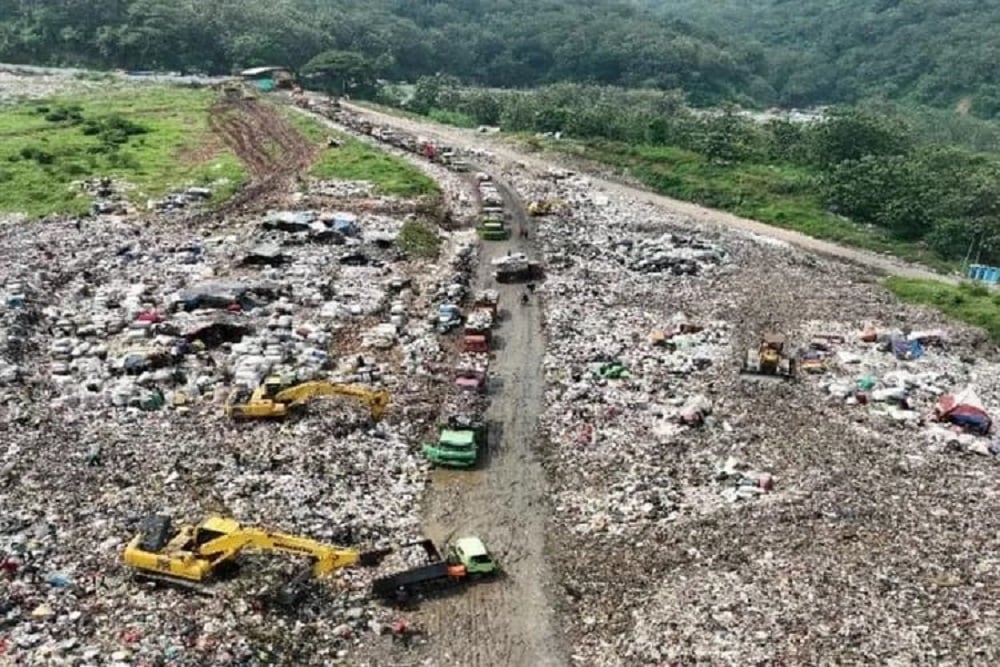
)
(122, 340)
(180, 201)
(913, 379)
(108, 197)
(709, 492)
(669, 253)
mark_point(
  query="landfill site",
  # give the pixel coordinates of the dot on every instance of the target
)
(591, 432)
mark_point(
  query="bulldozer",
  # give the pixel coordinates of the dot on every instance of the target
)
(274, 400)
(193, 555)
(543, 206)
(769, 358)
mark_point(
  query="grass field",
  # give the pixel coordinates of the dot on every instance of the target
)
(355, 160)
(155, 138)
(974, 304)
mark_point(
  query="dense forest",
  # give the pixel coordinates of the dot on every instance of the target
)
(934, 52)
(505, 43)
(937, 52)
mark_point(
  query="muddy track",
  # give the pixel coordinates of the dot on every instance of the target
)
(266, 142)
(509, 621)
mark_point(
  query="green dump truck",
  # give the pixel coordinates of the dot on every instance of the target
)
(493, 229)
(458, 445)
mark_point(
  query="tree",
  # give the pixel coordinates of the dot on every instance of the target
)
(343, 72)
(852, 134)
(430, 90)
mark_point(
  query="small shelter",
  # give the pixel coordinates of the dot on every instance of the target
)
(267, 79)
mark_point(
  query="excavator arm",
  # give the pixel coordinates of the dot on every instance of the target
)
(219, 539)
(326, 558)
(376, 400)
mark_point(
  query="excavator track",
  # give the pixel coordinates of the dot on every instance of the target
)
(173, 582)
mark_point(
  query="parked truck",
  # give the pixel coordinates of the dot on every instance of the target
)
(464, 560)
(460, 441)
(493, 229)
(516, 268)
(478, 331)
(488, 300)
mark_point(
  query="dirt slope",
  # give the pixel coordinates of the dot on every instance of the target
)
(459, 137)
(267, 143)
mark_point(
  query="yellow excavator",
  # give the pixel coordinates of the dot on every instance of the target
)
(193, 554)
(274, 399)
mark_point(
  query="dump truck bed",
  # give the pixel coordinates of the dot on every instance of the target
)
(388, 586)
(436, 568)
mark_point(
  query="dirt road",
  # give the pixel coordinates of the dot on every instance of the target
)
(510, 621)
(706, 216)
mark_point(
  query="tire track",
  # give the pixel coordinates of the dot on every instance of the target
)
(271, 147)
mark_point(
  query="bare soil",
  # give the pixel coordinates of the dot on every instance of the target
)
(267, 143)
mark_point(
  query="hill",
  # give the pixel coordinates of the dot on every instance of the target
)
(936, 52)
(508, 43)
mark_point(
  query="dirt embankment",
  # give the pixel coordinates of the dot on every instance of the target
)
(267, 143)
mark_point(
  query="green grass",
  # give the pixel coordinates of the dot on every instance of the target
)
(419, 239)
(781, 195)
(971, 303)
(453, 118)
(355, 160)
(155, 138)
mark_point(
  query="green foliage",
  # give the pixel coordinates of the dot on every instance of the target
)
(934, 52)
(500, 43)
(343, 72)
(419, 239)
(888, 191)
(455, 118)
(968, 302)
(852, 134)
(142, 136)
(355, 160)
(782, 195)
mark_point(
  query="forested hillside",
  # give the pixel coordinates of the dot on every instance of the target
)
(496, 43)
(938, 52)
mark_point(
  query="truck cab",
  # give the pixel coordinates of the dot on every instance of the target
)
(476, 343)
(473, 555)
(469, 379)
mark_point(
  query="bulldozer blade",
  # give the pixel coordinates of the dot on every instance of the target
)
(756, 376)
